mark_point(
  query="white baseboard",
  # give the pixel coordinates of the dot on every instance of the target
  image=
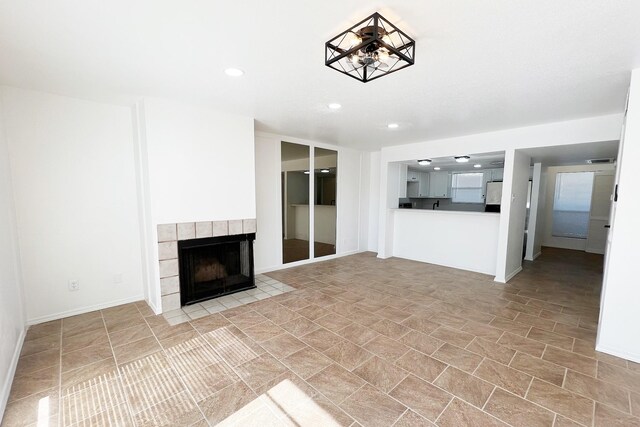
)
(82, 310)
(509, 276)
(153, 307)
(536, 255)
(6, 387)
(618, 353)
(513, 273)
(304, 262)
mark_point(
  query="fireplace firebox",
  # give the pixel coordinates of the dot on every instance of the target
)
(215, 266)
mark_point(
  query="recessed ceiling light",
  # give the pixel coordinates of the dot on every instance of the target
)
(324, 170)
(335, 106)
(233, 72)
(462, 159)
(477, 165)
(424, 162)
(436, 168)
(393, 126)
(307, 172)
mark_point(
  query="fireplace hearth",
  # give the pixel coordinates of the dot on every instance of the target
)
(215, 266)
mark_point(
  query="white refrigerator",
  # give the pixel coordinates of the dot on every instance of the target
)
(494, 193)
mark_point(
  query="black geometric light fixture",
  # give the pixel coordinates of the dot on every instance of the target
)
(370, 49)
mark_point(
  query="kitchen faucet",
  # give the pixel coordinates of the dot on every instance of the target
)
(436, 205)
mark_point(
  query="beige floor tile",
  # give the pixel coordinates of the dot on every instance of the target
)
(421, 365)
(551, 338)
(423, 343)
(348, 355)
(391, 329)
(136, 349)
(609, 417)
(357, 334)
(459, 414)
(480, 330)
(386, 348)
(452, 336)
(516, 411)
(380, 373)
(372, 408)
(539, 368)
(421, 397)
(321, 339)
(83, 340)
(260, 370)
(524, 345)
(561, 401)
(510, 379)
(300, 326)
(177, 410)
(34, 382)
(491, 350)
(129, 335)
(38, 361)
(609, 394)
(336, 383)
(31, 409)
(307, 362)
(77, 359)
(571, 360)
(458, 357)
(333, 322)
(421, 323)
(465, 386)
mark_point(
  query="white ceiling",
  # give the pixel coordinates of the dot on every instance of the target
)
(575, 154)
(450, 164)
(480, 65)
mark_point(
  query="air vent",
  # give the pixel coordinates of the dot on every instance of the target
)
(599, 161)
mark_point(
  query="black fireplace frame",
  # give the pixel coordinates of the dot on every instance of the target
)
(186, 269)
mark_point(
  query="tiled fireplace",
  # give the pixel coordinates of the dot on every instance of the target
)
(168, 237)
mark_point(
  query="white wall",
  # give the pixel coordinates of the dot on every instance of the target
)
(619, 326)
(465, 240)
(547, 238)
(196, 164)
(75, 195)
(268, 245)
(372, 211)
(201, 163)
(12, 318)
(536, 221)
(513, 210)
(602, 128)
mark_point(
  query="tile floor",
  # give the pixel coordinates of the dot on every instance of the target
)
(361, 341)
(265, 287)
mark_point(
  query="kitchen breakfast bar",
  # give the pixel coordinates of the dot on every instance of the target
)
(465, 240)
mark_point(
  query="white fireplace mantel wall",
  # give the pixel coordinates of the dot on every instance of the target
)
(194, 165)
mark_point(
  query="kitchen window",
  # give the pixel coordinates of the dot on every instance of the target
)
(467, 187)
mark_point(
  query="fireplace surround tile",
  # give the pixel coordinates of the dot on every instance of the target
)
(171, 302)
(170, 285)
(167, 250)
(186, 230)
(167, 233)
(168, 268)
(204, 229)
(248, 226)
(235, 227)
(220, 228)
(168, 237)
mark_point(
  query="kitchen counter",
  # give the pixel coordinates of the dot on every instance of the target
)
(459, 239)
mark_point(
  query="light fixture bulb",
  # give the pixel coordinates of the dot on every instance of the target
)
(354, 40)
(233, 72)
(335, 106)
(462, 159)
(436, 168)
(386, 39)
(307, 172)
(424, 162)
(393, 126)
(383, 56)
(477, 165)
(324, 170)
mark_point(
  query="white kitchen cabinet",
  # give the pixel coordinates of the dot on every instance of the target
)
(418, 188)
(413, 176)
(439, 184)
(402, 182)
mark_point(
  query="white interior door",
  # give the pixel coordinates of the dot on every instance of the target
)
(603, 183)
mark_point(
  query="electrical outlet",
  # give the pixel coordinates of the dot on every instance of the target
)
(74, 285)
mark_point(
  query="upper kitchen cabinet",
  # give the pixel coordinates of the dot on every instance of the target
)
(418, 187)
(439, 184)
(413, 176)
